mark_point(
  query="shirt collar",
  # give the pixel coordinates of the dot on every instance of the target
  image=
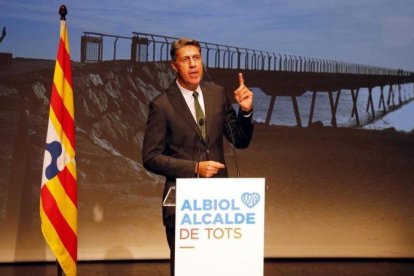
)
(185, 91)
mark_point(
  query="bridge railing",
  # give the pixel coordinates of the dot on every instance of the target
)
(145, 47)
(97, 47)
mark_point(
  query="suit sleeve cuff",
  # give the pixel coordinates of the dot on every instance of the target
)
(247, 114)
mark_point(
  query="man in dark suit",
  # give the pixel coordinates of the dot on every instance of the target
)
(186, 125)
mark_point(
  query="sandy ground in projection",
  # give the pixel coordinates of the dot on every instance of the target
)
(330, 192)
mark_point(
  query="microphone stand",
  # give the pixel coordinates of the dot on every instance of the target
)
(201, 124)
(236, 161)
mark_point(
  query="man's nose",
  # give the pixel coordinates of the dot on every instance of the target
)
(192, 62)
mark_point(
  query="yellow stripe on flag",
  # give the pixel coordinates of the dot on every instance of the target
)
(53, 239)
(65, 204)
(64, 139)
(64, 35)
(71, 166)
(64, 89)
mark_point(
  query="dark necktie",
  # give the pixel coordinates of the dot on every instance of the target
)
(201, 122)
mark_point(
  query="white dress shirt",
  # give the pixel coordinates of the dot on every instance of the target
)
(189, 99)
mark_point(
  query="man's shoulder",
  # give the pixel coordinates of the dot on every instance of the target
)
(166, 96)
(159, 97)
(211, 86)
(172, 89)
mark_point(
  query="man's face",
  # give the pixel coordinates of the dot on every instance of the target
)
(189, 67)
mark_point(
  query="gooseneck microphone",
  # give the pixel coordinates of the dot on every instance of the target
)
(236, 161)
(201, 125)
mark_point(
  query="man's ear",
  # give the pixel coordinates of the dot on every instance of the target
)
(173, 66)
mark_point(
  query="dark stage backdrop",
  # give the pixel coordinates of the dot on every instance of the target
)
(329, 192)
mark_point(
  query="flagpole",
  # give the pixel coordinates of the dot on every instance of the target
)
(63, 12)
(59, 269)
(59, 191)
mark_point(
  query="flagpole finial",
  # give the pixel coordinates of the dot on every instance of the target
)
(63, 12)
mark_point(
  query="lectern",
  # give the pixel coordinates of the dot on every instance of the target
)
(219, 226)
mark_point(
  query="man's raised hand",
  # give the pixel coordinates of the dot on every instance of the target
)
(243, 96)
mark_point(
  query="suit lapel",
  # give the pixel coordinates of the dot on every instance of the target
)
(180, 105)
(209, 108)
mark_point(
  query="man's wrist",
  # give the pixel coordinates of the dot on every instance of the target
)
(196, 165)
(248, 112)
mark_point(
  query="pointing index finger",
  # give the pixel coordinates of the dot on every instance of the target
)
(241, 79)
(217, 165)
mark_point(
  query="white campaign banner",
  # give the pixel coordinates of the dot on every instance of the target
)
(219, 226)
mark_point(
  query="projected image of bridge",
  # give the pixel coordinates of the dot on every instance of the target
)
(290, 89)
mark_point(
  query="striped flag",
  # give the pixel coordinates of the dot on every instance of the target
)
(58, 193)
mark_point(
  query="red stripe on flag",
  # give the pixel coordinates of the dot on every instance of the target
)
(65, 233)
(63, 116)
(69, 184)
(63, 57)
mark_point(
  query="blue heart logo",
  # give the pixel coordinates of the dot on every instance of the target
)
(250, 199)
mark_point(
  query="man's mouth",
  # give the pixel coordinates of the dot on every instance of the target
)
(194, 74)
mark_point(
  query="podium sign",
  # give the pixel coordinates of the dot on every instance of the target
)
(219, 226)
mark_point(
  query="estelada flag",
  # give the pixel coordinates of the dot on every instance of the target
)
(58, 194)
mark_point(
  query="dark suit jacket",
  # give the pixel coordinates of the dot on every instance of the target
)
(173, 144)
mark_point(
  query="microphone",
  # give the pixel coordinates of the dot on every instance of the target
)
(236, 161)
(201, 124)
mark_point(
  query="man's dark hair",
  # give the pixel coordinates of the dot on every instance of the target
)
(180, 43)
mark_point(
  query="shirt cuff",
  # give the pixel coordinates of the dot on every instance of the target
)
(248, 113)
